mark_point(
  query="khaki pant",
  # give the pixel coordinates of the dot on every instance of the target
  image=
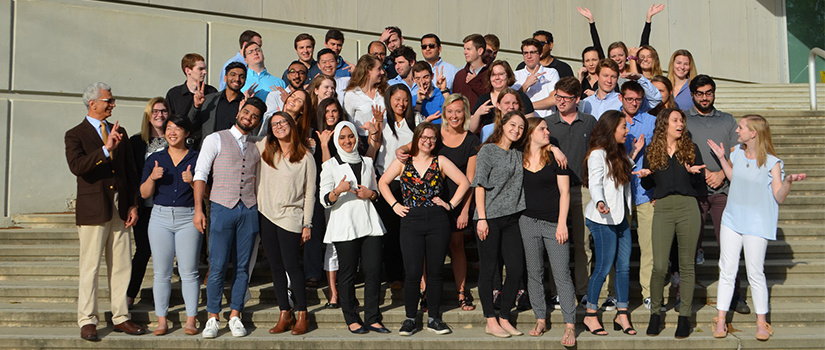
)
(112, 239)
(580, 237)
(643, 214)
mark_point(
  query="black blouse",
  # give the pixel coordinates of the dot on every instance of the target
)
(675, 179)
(541, 192)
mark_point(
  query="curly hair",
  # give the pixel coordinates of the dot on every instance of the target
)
(603, 137)
(657, 149)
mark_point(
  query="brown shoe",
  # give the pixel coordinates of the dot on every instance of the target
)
(89, 332)
(285, 322)
(130, 327)
(300, 324)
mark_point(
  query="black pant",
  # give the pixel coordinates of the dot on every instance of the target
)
(142, 251)
(368, 250)
(314, 248)
(281, 247)
(425, 232)
(393, 264)
(504, 241)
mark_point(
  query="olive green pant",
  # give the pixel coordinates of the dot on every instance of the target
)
(679, 215)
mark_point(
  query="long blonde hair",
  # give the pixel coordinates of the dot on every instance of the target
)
(764, 143)
(691, 73)
(146, 124)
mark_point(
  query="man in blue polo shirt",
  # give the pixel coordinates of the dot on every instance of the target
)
(257, 78)
(427, 99)
(246, 36)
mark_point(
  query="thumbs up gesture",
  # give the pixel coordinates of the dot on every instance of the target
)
(157, 172)
(187, 174)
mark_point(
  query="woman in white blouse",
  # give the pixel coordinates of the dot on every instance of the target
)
(365, 92)
(348, 187)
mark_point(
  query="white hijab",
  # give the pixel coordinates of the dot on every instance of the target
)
(350, 157)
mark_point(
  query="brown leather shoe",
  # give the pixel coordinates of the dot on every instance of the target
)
(89, 332)
(285, 322)
(300, 324)
(130, 327)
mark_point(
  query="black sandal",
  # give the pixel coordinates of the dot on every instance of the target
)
(618, 327)
(597, 331)
(466, 301)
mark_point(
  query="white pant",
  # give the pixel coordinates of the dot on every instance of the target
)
(730, 244)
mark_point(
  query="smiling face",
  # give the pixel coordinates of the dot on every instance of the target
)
(325, 90)
(591, 60)
(399, 102)
(294, 104)
(508, 103)
(513, 128)
(618, 56)
(430, 50)
(426, 143)
(101, 107)
(235, 79)
(175, 135)
(621, 132)
(331, 115)
(681, 66)
(296, 74)
(541, 135)
(745, 133)
(346, 139)
(645, 59)
(248, 118)
(280, 127)
(607, 79)
(327, 64)
(675, 126)
(498, 77)
(375, 74)
(159, 115)
(304, 50)
(424, 79)
(454, 114)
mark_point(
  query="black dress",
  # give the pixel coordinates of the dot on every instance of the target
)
(460, 156)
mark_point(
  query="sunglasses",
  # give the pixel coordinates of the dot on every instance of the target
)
(428, 46)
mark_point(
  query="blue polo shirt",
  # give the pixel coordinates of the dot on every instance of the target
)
(643, 124)
(264, 81)
(431, 105)
(237, 58)
(170, 190)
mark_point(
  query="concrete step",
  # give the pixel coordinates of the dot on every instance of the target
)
(45, 220)
(779, 291)
(57, 236)
(461, 338)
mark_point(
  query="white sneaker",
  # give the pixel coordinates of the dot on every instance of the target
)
(236, 327)
(647, 303)
(700, 257)
(211, 329)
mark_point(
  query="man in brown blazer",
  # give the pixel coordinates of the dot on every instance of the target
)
(101, 157)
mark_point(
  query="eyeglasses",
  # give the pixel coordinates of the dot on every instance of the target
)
(544, 42)
(428, 138)
(708, 93)
(299, 72)
(160, 111)
(565, 98)
(636, 100)
(498, 74)
(280, 124)
(525, 53)
(110, 101)
(428, 46)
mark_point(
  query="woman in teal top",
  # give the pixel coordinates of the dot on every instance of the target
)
(749, 221)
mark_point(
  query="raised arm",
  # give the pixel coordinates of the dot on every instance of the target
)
(652, 11)
(594, 33)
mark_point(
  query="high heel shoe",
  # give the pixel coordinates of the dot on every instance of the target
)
(618, 327)
(683, 328)
(767, 328)
(717, 333)
(595, 331)
(285, 322)
(653, 326)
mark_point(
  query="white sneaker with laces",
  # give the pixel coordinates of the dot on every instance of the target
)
(236, 326)
(211, 329)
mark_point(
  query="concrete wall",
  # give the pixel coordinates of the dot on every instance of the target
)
(51, 49)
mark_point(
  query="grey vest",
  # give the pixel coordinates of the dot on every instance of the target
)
(233, 173)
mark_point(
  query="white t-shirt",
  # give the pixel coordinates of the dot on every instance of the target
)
(541, 89)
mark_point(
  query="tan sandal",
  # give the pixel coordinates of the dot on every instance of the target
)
(539, 329)
(569, 334)
(716, 332)
(763, 337)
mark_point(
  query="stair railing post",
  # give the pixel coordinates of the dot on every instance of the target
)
(811, 74)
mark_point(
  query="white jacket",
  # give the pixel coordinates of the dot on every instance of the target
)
(350, 218)
(603, 188)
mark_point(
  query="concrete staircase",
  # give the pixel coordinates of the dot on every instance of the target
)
(38, 278)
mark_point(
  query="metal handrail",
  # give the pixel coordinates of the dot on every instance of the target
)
(811, 76)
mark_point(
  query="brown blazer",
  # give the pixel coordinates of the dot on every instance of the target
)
(98, 177)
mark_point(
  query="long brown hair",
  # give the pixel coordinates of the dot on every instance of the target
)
(656, 66)
(315, 83)
(657, 150)
(764, 144)
(360, 75)
(297, 149)
(603, 137)
(546, 156)
(498, 129)
(304, 119)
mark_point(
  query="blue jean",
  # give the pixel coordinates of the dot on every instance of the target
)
(612, 245)
(230, 228)
(171, 233)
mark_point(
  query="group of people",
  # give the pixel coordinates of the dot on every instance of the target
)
(380, 168)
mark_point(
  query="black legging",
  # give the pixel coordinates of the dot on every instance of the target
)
(368, 250)
(282, 248)
(425, 232)
(142, 251)
(393, 263)
(503, 240)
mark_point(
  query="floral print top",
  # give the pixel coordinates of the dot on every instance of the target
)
(417, 190)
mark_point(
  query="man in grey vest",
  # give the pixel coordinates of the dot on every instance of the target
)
(230, 156)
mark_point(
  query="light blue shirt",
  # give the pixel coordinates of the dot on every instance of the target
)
(96, 124)
(449, 72)
(683, 97)
(237, 58)
(752, 208)
(596, 107)
(398, 80)
(643, 124)
(264, 81)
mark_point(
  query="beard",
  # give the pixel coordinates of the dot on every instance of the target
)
(703, 110)
(246, 129)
